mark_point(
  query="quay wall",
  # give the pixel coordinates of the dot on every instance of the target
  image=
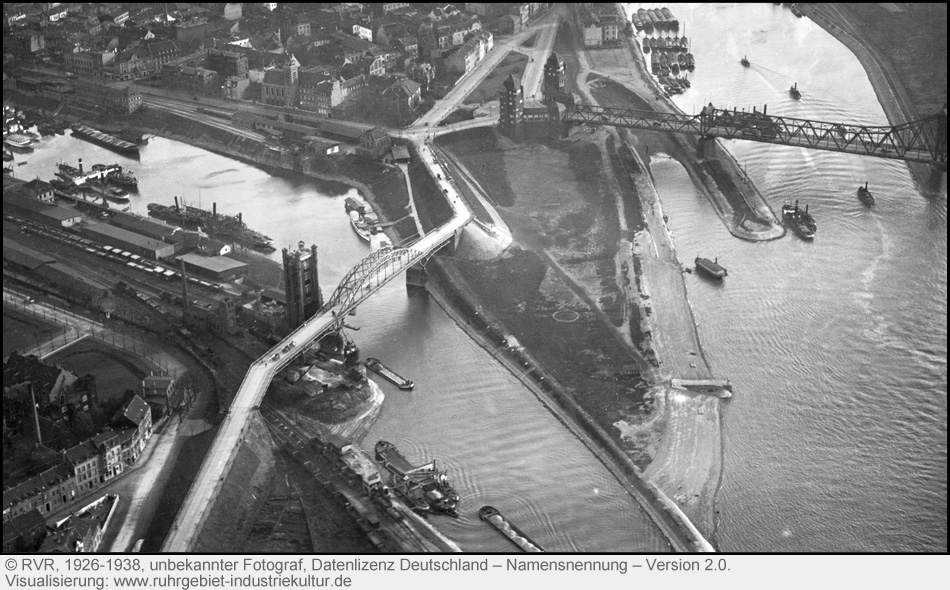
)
(450, 290)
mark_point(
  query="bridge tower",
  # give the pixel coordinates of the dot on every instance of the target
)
(553, 74)
(301, 284)
(511, 109)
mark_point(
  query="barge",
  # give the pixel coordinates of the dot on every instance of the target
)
(388, 374)
(495, 520)
(711, 267)
(424, 488)
(126, 148)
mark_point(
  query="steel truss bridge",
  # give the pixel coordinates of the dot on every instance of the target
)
(361, 282)
(922, 141)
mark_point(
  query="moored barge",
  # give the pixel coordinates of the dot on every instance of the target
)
(425, 488)
(711, 267)
(121, 146)
(389, 374)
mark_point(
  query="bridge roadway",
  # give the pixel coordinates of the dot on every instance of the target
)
(918, 141)
(207, 485)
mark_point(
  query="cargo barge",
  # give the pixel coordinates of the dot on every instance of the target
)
(711, 267)
(425, 488)
(494, 518)
(126, 148)
(388, 374)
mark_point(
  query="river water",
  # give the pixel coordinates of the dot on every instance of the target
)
(836, 439)
(498, 443)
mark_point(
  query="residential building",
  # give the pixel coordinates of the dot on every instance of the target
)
(402, 99)
(134, 424)
(115, 96)
(83, 460)
(374, 143)
(227, 63)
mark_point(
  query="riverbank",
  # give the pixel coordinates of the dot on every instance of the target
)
(845, 26)
(619, 77)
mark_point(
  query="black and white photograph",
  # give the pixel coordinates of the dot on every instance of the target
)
(299, 292)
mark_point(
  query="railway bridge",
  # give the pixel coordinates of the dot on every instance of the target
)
(923, 141)
(359, 284)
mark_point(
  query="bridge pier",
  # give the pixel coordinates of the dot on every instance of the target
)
(701, 145)
(416, 278)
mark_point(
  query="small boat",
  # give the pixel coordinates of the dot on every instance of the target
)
(389, 374)
(364, 225)
(745, 61)
(800, 220)
(711, 267)
(794, 92)
(494, 518)
(864, 195)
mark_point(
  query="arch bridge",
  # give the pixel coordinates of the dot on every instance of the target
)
(922, 141)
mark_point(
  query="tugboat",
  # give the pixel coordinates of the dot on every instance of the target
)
(745, 62)
(122, 178)
(794, 92)
(711, 267)
(800, 220)
(424, 487)
(864, 195)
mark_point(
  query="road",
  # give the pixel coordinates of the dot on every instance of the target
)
(217, 463)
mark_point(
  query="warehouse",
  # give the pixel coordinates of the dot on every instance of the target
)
(39, 212)
(217, 268)
(144, 246)
(152, 228)
(62, 277)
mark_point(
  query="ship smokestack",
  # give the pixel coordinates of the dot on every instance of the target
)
(80, 166)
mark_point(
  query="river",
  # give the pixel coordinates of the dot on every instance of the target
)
(836, 439)
(497, 442)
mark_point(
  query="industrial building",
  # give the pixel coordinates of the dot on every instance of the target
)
(217, 268)
(152, 228)
(63, 277)
(135, 243)
(38, 211)
(301, 284)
